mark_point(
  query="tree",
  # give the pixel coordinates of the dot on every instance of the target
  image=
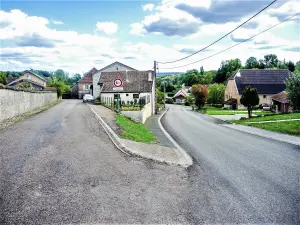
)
(189, 100)
(297, 68)
(216, 93)
(3, 79)
(291, 66)
(60, 85)
(160, 97)
(293, 91)
(249, 99)
(201, 70)
(261, 64)
(227, 68)
(200, 93)
(252, 63)
(271, 61)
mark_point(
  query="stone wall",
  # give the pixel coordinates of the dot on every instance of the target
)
(16, 102)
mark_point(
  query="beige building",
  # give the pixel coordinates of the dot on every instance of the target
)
(268, 83)
(35, 80)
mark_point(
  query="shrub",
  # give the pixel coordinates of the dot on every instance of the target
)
(169, 101)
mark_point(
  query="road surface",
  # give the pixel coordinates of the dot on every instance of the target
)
(236, 177)
(59, 167)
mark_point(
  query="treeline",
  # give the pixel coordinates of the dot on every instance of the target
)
(270, 61)
(227, 68)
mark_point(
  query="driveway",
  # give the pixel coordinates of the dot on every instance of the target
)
(236, 177)
(60, 167)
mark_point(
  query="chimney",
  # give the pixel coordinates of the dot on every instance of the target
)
(150, 74)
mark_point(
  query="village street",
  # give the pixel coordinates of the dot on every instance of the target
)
(60, 167)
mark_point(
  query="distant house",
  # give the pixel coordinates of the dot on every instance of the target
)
(180, 96)
(116, 66)
(29, 77)
(281, 102)
(268, 83)
(85, 84)
(136, 85)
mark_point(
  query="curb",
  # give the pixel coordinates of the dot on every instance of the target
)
(123, 148)
(180, 151)
(111, 134)
(234, 127)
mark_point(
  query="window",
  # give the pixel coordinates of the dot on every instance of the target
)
(86, 87)
(29, 77)
(265, 96)
(136, 95)
(116, 96)
(127, 95)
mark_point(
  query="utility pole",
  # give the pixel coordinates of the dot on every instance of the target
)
(154, 91)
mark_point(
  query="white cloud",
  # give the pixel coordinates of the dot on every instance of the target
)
(148, 7)
(107, 27)
(57, 22)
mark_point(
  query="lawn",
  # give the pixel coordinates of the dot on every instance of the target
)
(219, 111)
(269, 118)
(134, 131)
(288, 127)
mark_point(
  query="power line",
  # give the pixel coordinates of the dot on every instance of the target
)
(221, 37)
(233, 45)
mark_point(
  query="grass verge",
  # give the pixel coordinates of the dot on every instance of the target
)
(16, 119)
(217, 111)
(268, 118)
(288, 127)
(134, 131)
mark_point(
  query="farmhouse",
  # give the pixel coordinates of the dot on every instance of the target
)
(137, 86)
(31, 78)
(268, 83)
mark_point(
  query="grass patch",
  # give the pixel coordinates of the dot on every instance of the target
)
(134, 131)
(219, 111)
(269, 118)
(288, 127)
(16, 119)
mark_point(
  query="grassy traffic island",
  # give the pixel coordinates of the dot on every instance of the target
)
(134, 131)
(287, 127)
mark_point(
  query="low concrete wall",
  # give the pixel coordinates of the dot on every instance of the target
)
(139, 116)
(16, 102)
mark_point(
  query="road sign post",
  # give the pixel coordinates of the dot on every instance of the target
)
(118, 86)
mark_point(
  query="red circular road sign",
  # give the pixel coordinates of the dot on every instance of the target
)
(118, 82)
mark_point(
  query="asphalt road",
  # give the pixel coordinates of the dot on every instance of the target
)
(59, 167)
(236, 177)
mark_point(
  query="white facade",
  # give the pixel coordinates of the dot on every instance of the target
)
(113, 67)
(124, 96)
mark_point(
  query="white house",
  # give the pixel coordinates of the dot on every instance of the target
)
(116, 66)
(136, 85)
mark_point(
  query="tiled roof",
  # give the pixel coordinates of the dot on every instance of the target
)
(280, 97)
(265, 81)
(88, 77)
(134, 81)
(28, 71)
(180, 93)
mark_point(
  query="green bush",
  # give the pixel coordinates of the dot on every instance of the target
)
(169, 101)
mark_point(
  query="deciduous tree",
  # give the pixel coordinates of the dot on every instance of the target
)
(251, 63)
(216, 94)
(293, 91)
(200, 93)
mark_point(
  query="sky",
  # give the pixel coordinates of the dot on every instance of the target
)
(78, 35)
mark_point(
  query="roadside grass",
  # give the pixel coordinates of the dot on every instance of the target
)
(220, 111)
(268, 118)
(287, 127)
(134, 131)
(16, 119)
